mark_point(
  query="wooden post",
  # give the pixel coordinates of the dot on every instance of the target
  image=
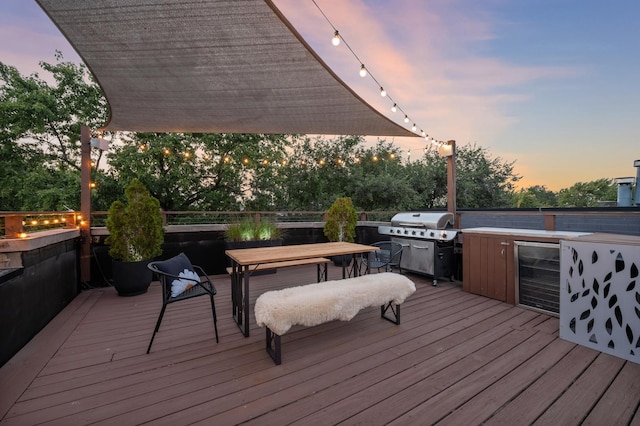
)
(85, 205)
(451, 180)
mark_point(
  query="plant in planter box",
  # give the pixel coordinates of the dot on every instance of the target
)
(135, 237)
(253, 230)
(251, 233)
(342, 219)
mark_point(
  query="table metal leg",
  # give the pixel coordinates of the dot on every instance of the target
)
(240, 296)
(244, 322)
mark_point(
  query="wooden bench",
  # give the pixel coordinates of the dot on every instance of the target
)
(285, 264)
(315, 304)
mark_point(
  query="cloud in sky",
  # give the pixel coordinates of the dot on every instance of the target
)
(517, 78)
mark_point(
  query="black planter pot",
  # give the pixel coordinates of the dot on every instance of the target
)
(131, 278)
(232, 245)
(344, 259)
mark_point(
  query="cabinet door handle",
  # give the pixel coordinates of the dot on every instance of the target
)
(504, 243)
(502, 252)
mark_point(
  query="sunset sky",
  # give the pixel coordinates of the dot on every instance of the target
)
(550, 84)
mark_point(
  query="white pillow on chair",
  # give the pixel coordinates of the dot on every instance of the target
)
(178, 286)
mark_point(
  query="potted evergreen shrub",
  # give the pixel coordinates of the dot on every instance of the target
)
(342, 219)
(135, 237)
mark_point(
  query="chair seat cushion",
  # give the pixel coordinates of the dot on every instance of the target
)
(178, 286)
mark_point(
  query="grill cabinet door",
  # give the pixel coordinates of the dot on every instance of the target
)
(417, 256)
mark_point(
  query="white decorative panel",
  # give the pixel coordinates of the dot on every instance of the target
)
(600, 297)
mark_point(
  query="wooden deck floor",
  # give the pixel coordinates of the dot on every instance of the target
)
(456, 359)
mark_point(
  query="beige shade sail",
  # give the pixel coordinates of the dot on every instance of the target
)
(211, 66)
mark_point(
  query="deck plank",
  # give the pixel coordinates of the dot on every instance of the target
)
(457, 358)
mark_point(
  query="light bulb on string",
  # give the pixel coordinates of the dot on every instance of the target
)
(363, 71)
(394, 108)
(406, 119)
(336, 39)
(423, 133)
(383, 92)
(414, 127)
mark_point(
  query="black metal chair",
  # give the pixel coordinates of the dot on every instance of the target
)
(178, 274)
(387, 257)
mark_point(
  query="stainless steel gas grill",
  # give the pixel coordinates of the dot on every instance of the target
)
(428, 242)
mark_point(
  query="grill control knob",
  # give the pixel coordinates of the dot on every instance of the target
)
(431, 234)
(413, 232)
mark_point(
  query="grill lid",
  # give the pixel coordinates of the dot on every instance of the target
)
(428, 220)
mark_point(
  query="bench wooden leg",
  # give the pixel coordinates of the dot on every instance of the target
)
(395, 310)
(273, 346)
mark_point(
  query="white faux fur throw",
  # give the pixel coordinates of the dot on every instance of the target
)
(315, 304)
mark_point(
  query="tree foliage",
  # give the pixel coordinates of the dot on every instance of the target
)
(535, 196)
(198, 171)
(587, 194)
(40, 131)
(40, 122)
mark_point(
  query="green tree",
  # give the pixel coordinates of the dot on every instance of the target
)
(428, 178)
(535, 196)
(483, 181)
(380, 181)
(318, 172)
(40, 131)
(196, 171)
(587, 194)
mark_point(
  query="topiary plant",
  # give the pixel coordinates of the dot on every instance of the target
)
(341, 221)
(135, 228)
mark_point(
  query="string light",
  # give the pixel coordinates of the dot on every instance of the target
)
(336, 39)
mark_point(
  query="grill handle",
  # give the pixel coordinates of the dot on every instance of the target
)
(420, 247)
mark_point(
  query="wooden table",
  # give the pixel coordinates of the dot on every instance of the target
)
(242, 259)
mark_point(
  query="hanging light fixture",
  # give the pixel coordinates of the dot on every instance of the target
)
(363, 71)
(383, 92)
(336, 39)
(414, 127)
(406, 119)
(394, 108)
